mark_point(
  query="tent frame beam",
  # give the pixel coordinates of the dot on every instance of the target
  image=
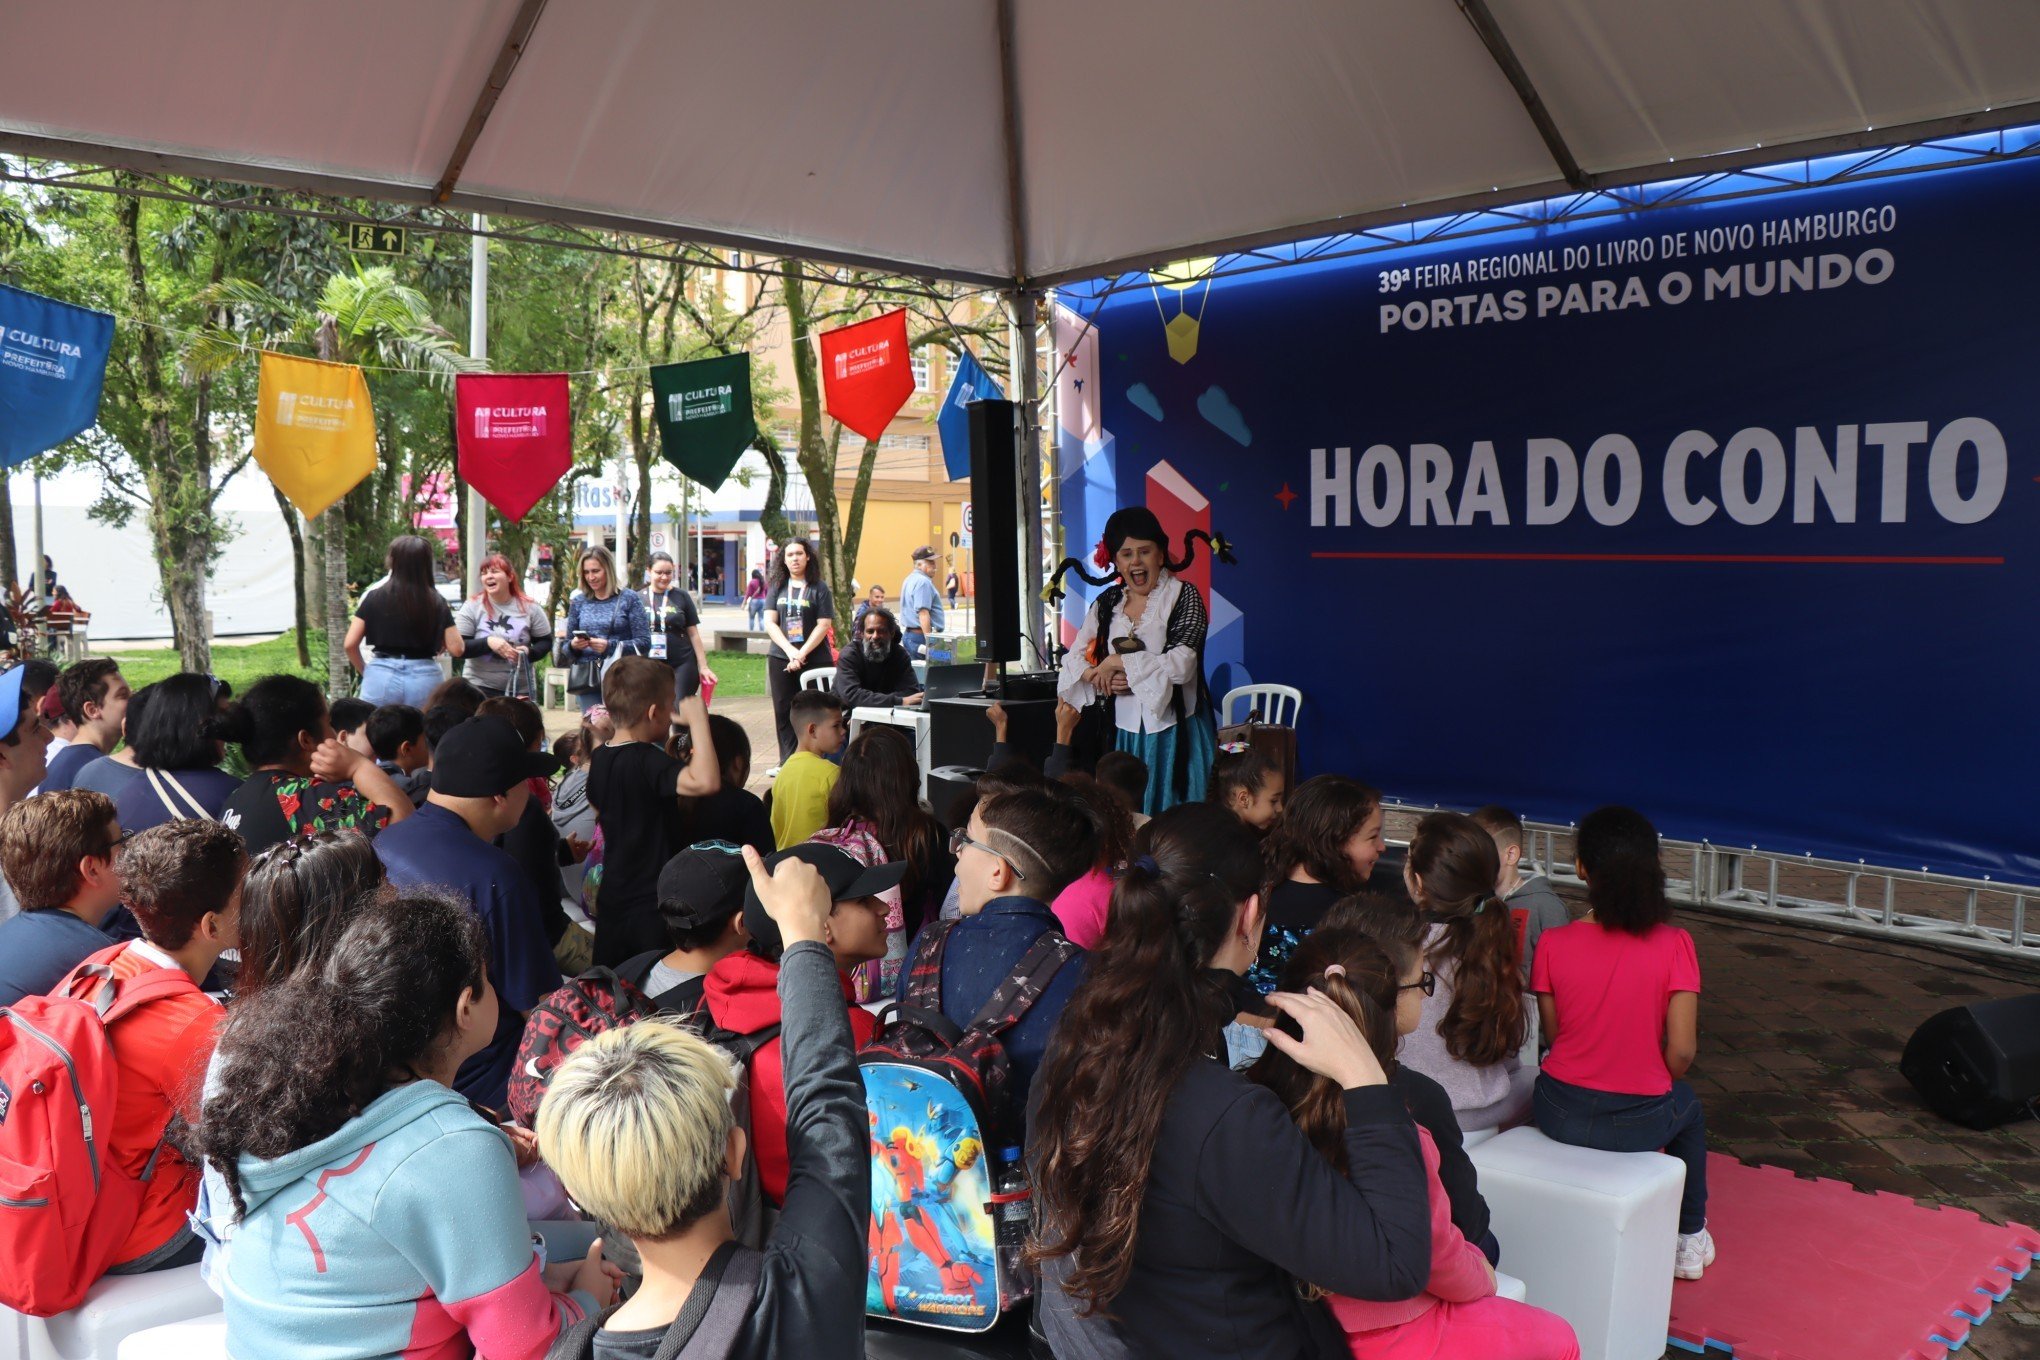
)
(492, 90)
(156, 162)
(1504, 53)
(1009, 108)
(1749, 158)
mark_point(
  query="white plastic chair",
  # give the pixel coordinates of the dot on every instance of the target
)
(1279, 704)
(822, 679)
(116, 1308)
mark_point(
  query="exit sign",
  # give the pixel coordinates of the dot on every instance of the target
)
(375, 238)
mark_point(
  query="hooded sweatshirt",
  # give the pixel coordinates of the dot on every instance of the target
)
(742, 993)
(399, 1237)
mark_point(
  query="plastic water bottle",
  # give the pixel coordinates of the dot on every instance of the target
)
(1012, 1210)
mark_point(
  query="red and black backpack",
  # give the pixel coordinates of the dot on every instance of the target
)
(594, 1003)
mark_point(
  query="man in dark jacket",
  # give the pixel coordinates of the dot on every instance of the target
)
(619, 1116)
(875, 671)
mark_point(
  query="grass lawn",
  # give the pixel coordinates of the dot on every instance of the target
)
(242, 664)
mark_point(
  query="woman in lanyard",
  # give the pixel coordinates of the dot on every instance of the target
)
(676, 629)
(798, 613)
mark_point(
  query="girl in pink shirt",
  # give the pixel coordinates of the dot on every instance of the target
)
(1458, 1316)
(1619, 997)
(1083, 905)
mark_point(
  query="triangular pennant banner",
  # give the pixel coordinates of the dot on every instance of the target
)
(314, 429)
(971, 384)
(704, 414)
(515, 436)
(52, 366)
(865, 373)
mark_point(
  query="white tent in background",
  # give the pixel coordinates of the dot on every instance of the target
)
(112, 571)
(1001, 142)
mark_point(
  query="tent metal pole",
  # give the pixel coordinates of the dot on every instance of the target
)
(492, 90)
(1016, 180)
(1026, 351)
(1497, 43)
(41, 577)
(478, 346)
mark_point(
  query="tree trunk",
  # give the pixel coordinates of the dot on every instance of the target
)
(297, 577)
(313, 559)
(817, 461)
(180, 496)
(334, 551)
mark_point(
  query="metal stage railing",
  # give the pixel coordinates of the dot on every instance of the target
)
(1942, 910)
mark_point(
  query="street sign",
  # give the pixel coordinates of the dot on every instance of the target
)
(969, 527)
(376, 238)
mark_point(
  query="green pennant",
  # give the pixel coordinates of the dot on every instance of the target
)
(704, 415)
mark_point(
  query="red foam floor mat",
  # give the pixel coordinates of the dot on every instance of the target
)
(1819, 1270)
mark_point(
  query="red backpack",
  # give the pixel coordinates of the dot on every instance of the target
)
(596, 1002)
(64, 1208)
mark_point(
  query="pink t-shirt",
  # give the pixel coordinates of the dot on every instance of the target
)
(1610, 989)
(1081, 908)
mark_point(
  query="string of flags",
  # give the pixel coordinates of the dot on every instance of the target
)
(315, 423)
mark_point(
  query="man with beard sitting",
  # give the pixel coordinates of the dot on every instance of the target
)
(875, 671)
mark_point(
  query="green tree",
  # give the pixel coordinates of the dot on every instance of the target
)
(364, 316)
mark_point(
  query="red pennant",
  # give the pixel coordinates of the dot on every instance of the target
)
(865, 373)
(515, 435)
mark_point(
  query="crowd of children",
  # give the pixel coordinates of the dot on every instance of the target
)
(1255, 979)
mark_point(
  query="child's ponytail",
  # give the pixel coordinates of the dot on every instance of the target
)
(1456, 864)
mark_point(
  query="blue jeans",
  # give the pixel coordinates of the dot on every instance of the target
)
(391, 680)
(1613, 1122)
(916, 643)
(754, 613)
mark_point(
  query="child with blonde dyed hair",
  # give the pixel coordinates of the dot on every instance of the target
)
(638, 1127)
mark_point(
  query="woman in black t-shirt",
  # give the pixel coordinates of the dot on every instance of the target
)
(408, 623)
(798, 613)
(676, 629)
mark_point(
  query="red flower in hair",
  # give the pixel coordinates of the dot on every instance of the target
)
(1101, 554)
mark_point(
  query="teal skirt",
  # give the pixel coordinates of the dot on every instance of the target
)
(1191, 744)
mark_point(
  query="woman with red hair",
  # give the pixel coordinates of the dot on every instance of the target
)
(503, 630)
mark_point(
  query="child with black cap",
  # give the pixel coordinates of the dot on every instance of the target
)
(701, 900)
(479, 789)
(742, 991)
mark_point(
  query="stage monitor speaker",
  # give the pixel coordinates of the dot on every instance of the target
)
(1978, 1065)
(995, 542)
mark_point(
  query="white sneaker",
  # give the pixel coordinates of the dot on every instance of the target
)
(1696, 1253)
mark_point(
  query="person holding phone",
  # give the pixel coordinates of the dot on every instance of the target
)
(1141, 649)
(604, 622)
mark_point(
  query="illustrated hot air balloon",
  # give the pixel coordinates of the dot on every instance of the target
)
(1179, 278)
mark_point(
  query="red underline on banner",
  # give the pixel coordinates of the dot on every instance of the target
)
(1754, 559)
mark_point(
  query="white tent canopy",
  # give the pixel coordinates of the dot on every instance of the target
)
(1002, 142)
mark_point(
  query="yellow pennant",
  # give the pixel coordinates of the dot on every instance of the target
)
(315, 433)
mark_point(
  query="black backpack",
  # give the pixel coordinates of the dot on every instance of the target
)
(709, 1321)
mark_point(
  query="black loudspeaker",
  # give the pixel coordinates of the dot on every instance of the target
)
(959, 734)
(995, 500)
(1978, 1065)
(947, 784)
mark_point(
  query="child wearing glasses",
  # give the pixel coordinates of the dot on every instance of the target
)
(1475, 1021)
(1021, 848)
(1619, 998)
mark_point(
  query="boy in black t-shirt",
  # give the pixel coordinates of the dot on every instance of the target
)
(632, 783)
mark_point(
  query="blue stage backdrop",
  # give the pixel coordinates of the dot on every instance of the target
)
(1728, 511)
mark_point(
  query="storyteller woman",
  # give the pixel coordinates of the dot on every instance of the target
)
(1142, 649)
